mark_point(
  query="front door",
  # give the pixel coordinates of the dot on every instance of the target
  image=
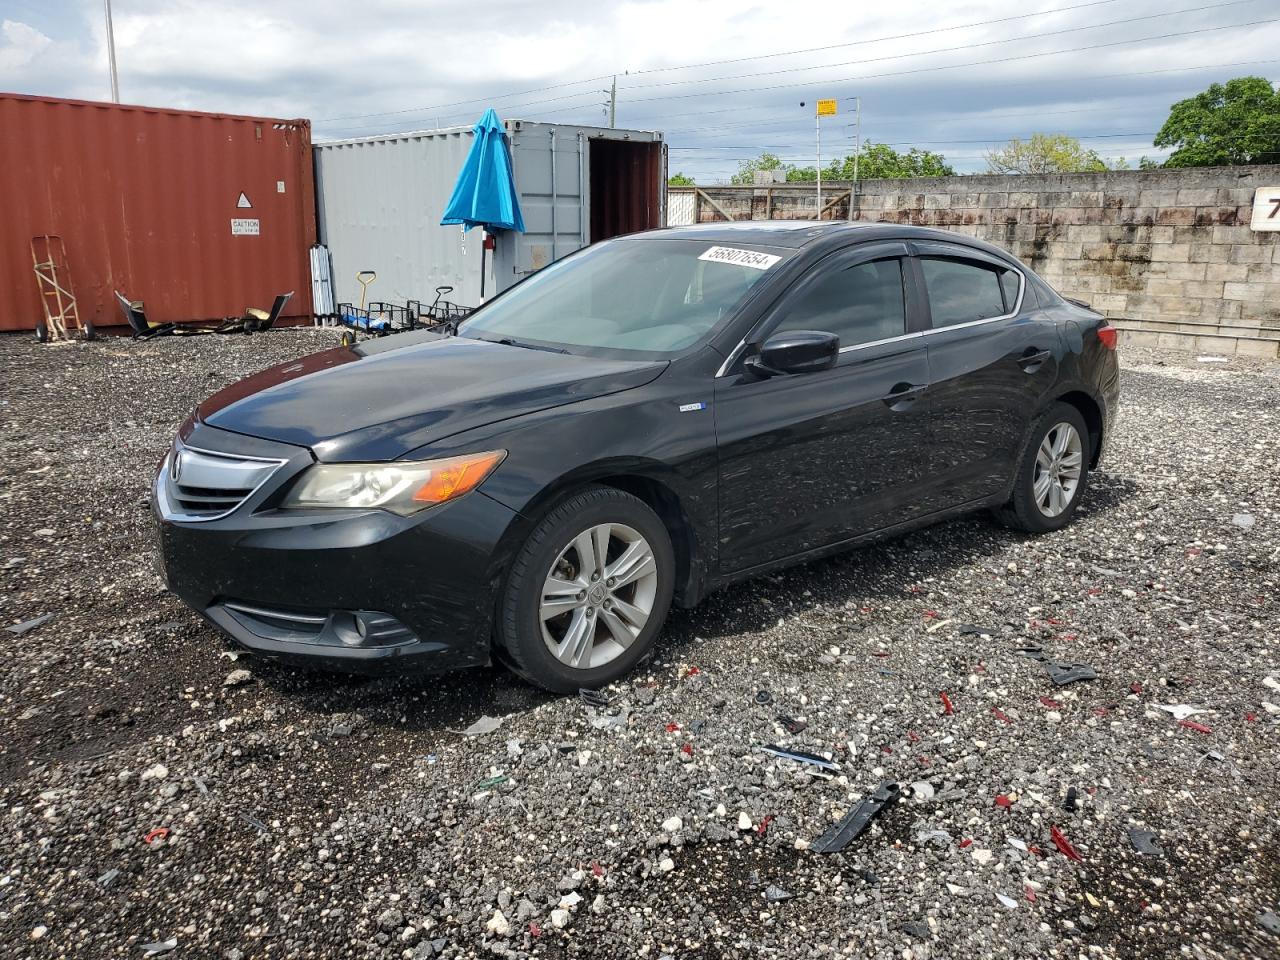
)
(811, 459)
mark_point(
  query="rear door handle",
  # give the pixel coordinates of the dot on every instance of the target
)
(903, 395)
(1031, 361)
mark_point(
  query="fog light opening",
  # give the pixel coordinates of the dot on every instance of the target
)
(349, 628)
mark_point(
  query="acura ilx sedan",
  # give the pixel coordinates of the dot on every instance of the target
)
(634, 426)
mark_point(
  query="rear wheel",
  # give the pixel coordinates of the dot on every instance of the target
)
(588, 592)
(1052, 474)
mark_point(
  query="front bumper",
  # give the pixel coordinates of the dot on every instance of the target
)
(356, 590)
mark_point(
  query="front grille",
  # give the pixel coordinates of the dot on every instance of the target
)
(203, 485)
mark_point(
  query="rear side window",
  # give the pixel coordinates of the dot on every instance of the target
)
(859, 304)
(961, 291)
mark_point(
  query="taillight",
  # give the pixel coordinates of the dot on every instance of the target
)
(1108, 335)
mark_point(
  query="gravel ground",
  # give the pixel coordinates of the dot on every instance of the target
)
(153, 789)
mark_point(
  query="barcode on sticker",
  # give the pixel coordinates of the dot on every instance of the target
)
(743, 258)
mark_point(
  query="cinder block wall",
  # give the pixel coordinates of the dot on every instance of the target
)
(1168, 254)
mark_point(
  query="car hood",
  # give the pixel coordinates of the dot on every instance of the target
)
(383, 398)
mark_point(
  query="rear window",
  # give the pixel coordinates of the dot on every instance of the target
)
(961, 291)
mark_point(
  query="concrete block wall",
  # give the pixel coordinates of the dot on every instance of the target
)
(1168, 254)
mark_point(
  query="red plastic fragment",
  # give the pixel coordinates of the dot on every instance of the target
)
(534, 929)
(692, 672)
(1099, 711)
(596, 869)
(913, 736)
(1036, 850)
(965, 843)
(1003, 801)
(1031, 894)
(880, 653)
(1094, 591)
(1192, 725)
(672, 727)
(1000, 715)
(947, 708)
(687, 748)
(865, 609)
(885, 748)
(1055, 621)
(1251, 717)
(931, 614)
(924, 760)
(155, 832)
(1064, 845)
(764, 825)
(1051, 703)
(1135, 687)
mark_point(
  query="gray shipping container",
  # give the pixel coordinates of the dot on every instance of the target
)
(380, 200)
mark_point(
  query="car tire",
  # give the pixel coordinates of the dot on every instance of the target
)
(580, 647)
(1050, 484)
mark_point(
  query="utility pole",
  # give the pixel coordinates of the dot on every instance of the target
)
(817, 135)
(613, 102)
(857, 150)
(111, 55)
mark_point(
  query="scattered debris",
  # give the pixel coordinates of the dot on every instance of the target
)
(237, 678)
(1064, 845)
(593, 698)
(1008, 902)
(764, 696)
(483, 726)
(799, 756)
(917, 929)
(1144, 841)
(255, 823)
(1072, 802)
(1193, 725)
(973, 630)
(774, 894)
(155, 833)
(1064, 673)
(744, 820)
(947, 708)
(108, 878)
(839, 835)
(1180, 711)
(791, 724)
(155, 949)
(922, 791)
(26, 626)
(488, 783)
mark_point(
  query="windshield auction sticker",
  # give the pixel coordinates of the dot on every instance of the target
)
(743, 258)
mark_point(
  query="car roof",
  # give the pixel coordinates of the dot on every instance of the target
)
(802, 233)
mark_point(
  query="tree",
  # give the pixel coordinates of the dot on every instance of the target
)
(879, 161)
(1233, 122)
(747, 168)
(680, 180)
(1044, 153)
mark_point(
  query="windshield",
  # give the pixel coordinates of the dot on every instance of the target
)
(636, 295)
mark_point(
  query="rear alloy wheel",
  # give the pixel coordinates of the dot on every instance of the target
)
(587, 594)
(1052, 473)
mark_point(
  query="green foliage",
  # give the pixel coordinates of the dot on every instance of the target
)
(1044, 153)
(680, 180)
(1233, 122)
(1148, 163)
(746, 174)
(876, 161)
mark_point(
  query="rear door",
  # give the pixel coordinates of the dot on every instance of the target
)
(993, 356)
(811, 459)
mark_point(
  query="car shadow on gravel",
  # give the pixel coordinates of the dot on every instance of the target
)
(866, 576)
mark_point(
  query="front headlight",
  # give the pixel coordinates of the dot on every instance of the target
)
(403, 487)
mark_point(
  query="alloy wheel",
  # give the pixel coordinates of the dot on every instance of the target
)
(1059, 465)
(598, 595)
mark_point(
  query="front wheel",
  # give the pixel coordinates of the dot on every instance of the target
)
(1052, 474)
(587, 593)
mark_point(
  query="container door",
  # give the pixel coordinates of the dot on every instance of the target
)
(550, 170)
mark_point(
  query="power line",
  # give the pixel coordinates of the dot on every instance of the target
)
(716, 63)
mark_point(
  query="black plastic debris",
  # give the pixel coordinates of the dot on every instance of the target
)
(791, 724)
(1072, 803)
(917, 929)
(1270, 922)
(799, 756)
(764, 696)
(774, 894)
(1144, 841)
(255, 823)
(18, 629)
(593, 698)
(973, 630)
(840, 835)
(1064, 673)
(1033, 651)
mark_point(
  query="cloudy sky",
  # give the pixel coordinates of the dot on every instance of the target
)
(724, 80)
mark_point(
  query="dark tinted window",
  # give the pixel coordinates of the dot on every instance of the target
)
(960, 291)
(858, 304)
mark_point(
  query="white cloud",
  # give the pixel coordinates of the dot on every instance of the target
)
(22, 44)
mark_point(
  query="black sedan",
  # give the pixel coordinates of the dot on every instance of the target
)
(636, 425)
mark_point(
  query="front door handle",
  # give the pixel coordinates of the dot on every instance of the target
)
(1032, 360)
(903, 395)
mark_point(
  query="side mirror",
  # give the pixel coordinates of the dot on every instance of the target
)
(795, 351)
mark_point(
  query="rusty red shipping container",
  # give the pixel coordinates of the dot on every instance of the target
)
(145, 198)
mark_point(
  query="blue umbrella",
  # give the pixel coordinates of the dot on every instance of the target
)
(485, 194)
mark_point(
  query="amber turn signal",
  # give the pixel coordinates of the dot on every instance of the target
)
(455, 476)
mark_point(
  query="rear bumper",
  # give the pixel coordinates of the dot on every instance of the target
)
(361, 591)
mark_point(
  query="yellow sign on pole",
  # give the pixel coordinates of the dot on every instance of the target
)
(826, 108)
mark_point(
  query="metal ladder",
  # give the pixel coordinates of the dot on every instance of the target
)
(57, 295)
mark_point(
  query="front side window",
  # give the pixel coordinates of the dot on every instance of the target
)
(961, 291)
(859, 304)
(639, 296)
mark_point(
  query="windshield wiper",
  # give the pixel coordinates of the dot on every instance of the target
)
(526, 346)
